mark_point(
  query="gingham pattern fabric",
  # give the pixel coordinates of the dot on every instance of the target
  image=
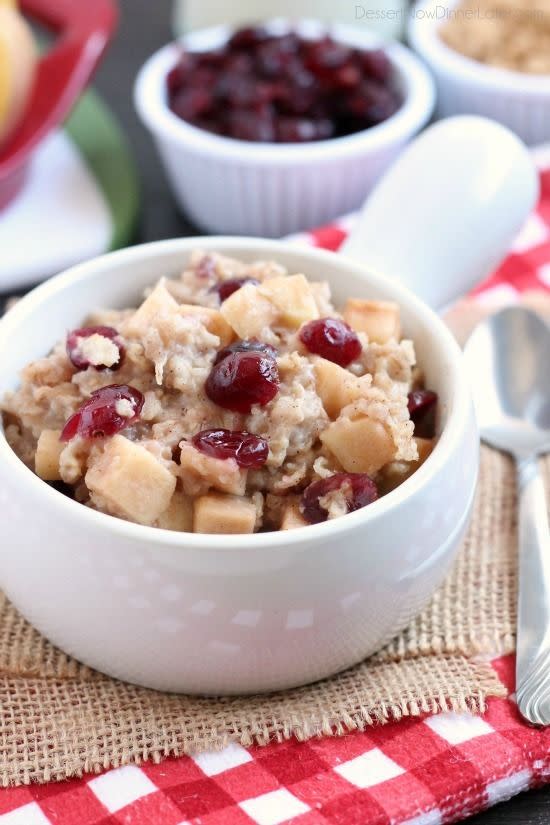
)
(426, 771)
(416, 772)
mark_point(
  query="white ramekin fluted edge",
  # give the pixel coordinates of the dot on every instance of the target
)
(464, 86)
(240, 187)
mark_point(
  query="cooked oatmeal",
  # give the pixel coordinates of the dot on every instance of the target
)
(235, 398)
(504, 33)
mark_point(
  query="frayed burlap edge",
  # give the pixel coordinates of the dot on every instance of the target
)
(53, 729)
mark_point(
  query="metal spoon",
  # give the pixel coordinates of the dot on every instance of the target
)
(508, 358)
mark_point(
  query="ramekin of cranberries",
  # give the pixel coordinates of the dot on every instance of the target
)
(283, 88)
(269, 130)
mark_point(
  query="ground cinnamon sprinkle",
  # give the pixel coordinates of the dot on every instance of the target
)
(510, 34)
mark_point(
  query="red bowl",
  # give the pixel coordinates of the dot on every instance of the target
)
(83, 28)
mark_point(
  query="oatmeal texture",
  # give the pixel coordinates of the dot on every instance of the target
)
(132, 455)
(504, 33)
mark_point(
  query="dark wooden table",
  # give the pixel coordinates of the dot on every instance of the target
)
(145, 25)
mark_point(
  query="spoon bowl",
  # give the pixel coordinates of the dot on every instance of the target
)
(506, 357)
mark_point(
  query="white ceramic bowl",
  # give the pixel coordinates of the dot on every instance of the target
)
(464, 86)
(240, 187)
(226, 614)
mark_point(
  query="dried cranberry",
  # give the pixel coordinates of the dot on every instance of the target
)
(240, 90)
(372, 102)
(274, 92)
(291, 43)
(176, 77)
(359, 490)
(98, 416)
(247, 38)
(191, 103)
(348, 77)
(376, 63)
(227, 288)
(215, 58)
(331, 339)
(419, 401)
(258, 127)
(248, 345)
(82, 363)
(203, 77)
(175, 80)
(208, 124)
(276, 57)
(243, 379)
(248, 450)
(326, 55)
(298, 97)
(282, 88)
(422, 406)
(239, 62)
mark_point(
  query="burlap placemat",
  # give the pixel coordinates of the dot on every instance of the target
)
(60, 719)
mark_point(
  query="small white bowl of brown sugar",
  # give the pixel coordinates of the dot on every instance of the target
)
(489, 57)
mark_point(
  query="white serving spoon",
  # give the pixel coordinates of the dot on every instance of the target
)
(447, 211)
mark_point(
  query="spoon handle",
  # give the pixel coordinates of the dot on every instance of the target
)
(533, 644)
(448, 209)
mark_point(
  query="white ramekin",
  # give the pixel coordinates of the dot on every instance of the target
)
(464, 86)
(227, 614)
(240, 187)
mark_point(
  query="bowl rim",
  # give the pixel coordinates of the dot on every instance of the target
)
(422, 31)
(459, 412)
(414, 112)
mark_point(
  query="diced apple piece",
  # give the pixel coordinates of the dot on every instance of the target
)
(48, 452)
(379, 319)
(131, 481)
(337, 387)
(248, 312)
(199, 472)
(293, 297)
(361, 445)
(216, 513)
(179, 514)
(292, 517)
(159, 304)
(212, 319)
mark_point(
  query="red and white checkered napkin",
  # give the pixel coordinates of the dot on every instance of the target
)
(417, 771)
(414, 772)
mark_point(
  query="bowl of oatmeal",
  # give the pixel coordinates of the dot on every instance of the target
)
(237, 164)
(258, 460)
(489, 58)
